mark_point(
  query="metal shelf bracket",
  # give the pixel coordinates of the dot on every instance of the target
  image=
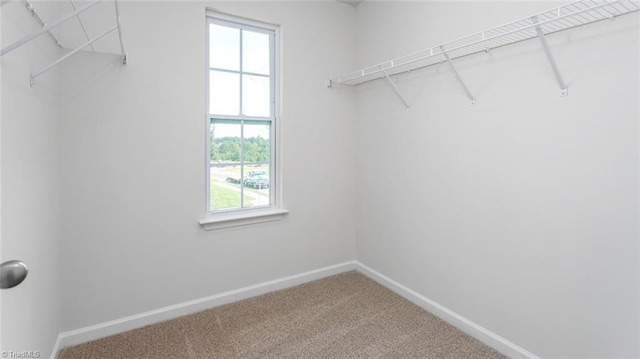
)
(37, 17)
(395, 88)
(457, 75)
(564, 91)
(59, 60)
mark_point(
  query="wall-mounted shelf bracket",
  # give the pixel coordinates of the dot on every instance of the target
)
(46, 28)
(37, 17)
(457, 75)
(71, 53)
(564, 91)
(124, 53)
(395, 88)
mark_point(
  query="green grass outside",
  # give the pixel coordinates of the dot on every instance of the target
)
(225, 198)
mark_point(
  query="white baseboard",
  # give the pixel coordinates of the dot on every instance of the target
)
(83, 335)
(482, 334)
(117, 326)
(56, 347)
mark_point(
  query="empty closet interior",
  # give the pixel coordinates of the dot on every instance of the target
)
(481, 159)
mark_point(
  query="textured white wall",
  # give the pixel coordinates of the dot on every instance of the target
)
(30, 181)
(133, 168)
(520, 213)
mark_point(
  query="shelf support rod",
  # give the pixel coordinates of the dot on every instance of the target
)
(59, 60)
(124, 53)
(563, 86)
(455, 73)
(395, 88)
(81, 24)
(44, 29)
(35, 15)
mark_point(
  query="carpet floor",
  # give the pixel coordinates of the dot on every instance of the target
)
(343, 316)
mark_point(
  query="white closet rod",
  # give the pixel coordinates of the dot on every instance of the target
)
(33, 35)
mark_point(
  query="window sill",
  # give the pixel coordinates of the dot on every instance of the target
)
(220, 221)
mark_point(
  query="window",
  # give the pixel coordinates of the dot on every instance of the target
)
(241, 115)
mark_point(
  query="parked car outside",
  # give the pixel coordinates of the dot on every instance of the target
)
(257, 182)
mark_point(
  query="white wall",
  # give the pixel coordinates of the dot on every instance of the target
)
(520, 213)
(30, 181)
(133, 168)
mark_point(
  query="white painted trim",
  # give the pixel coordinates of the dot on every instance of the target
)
(242, 218)
(83, 335)
(482, 334)
(113, 327)
(56, 347)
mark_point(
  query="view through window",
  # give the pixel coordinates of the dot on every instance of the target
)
(241, 108)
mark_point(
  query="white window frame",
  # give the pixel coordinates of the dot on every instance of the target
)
(242, 216)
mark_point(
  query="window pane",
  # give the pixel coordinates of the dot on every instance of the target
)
(224, 49)
(240, 155)
(257, 159)
(256, 186)
(225, 179)
(224, 93)
(257, 144)
(255, 52)
(256, 96)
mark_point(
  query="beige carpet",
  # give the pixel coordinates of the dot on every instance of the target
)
(344, 316)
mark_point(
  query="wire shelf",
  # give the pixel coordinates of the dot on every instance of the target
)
(565, 17)
(54, 19)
